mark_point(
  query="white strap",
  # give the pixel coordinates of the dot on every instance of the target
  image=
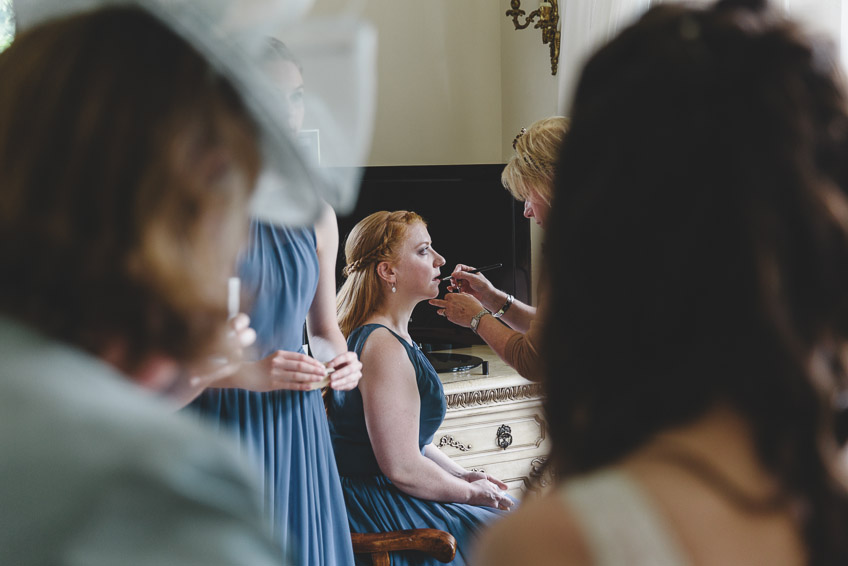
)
(620, 524)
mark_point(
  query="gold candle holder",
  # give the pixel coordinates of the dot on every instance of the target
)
(548, 22)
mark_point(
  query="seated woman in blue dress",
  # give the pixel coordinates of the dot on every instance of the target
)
(392, 475)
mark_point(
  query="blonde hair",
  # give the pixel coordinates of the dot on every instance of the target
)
(531, 170)
(374, 239)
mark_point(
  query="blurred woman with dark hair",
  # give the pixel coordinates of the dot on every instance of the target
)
(697, 336)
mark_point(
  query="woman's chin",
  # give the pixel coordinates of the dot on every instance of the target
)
(434, 293)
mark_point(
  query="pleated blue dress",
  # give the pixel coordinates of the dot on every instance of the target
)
(285, 433)
(374, 504)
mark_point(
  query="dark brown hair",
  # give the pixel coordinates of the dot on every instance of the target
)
(698, 249)
(125, 162)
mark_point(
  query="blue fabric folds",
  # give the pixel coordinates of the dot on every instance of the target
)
(284, 433)
(374, 504)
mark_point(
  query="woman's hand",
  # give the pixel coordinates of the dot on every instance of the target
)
(471, 476)
(346, 371)
(459, 308)
(489, 494)
(474, 284)
(281, 370)
(239, 337)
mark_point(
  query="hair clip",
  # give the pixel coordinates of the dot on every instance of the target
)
(521, 133)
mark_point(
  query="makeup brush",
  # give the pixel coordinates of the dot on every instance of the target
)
(479, 270)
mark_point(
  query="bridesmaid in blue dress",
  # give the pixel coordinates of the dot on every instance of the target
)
(274, 405)
(393, 476)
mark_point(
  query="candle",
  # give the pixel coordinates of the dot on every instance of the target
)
(233, 291)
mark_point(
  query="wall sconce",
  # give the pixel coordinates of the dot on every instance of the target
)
(548, 14)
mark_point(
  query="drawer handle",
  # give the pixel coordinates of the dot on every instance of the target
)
(448, 440)
(504, 436)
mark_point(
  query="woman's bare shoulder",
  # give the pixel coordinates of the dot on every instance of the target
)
(540, 532)
(384, 357)
(381, 343)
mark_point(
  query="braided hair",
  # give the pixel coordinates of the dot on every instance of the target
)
(374, 239)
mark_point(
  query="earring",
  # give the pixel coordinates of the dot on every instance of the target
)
(394, 289)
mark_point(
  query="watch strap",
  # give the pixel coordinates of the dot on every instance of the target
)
(475, 320)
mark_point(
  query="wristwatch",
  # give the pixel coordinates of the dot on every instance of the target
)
(475, 321)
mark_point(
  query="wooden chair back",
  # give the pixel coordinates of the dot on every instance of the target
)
(433, 542)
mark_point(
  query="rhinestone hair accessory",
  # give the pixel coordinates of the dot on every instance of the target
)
(525, 156)
(521, 133)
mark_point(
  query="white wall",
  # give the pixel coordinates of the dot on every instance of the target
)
(439, 82)
(456, 82)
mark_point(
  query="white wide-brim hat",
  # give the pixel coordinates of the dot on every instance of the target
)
(338, 56)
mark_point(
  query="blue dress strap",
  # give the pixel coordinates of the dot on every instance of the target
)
(357, 339)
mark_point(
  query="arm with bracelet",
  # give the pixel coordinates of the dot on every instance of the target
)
(517, 348)
(511, 311)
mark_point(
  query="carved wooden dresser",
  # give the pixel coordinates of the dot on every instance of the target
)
(494, 423)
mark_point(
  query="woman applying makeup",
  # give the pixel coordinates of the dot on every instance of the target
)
(529, 176)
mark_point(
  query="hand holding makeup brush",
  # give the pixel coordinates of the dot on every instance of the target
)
(459, 308)
(467, 279)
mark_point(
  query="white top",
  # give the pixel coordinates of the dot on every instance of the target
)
(619, 522)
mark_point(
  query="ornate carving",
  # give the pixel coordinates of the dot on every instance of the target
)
(548, 22)
(449, 440)
(542, 426)
(541, 474)
(504, 436)
(538, 466)
(493, 396)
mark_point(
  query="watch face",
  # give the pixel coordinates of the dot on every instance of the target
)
(476, 320)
